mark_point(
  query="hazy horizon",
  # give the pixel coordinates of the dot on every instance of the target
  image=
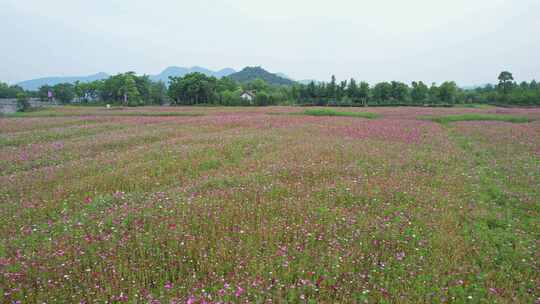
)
(469, 43)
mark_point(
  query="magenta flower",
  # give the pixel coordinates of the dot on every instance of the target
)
(168, 285)
(239, 291)
(122, 297)
(190, 300)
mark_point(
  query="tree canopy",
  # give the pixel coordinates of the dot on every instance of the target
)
(197, 88)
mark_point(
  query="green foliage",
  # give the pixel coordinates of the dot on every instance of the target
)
(505, 82)
(263, 99)
(231, 98)
(7, 91)
(257, 85)
(64, 92)
(448, 92)
(158, 93)
(128, 89)
(486, 117)
(249, 74)
(199, 89)
(398, 93)
(43, 92)
(419, 92)
(382, 92)
(193, 88)
(363, 92)
(23, 103)
(331, 112)
(331, 88)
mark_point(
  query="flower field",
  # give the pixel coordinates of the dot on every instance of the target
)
(256, 205)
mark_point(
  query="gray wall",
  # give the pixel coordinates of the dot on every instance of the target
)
(9, 105)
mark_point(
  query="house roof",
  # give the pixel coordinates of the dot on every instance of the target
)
(250, 93)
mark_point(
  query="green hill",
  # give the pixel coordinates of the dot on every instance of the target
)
(251, 73)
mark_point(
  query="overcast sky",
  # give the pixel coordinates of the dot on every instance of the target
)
(469, 41)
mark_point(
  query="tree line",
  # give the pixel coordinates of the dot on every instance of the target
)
(130, 89)
(197, 88)
(126, 88)
(351, 93)
(10, 91)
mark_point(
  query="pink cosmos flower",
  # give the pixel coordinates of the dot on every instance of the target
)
(239, 291)
(191, 300)
(122, 297)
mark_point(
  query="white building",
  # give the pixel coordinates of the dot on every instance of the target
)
(248, 95)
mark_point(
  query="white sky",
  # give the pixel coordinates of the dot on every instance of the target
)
(469, 41)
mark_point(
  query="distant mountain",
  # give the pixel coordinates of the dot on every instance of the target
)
(181, 71)
(308, 81)
(251, 73)
(283, 76)
(35, 84)
(304, 81)
(247, 74)
(224, 72)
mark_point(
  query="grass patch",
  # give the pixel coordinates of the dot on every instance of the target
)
(474, 106)
(332, 112)
(480, 117)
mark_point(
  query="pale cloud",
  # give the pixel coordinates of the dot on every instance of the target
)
(466, 41)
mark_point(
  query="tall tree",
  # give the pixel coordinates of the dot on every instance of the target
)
(448, 92)
(193, 88)
(382, 92)
(534, 85)
(43, 92)
(23, 104)
(311, 90)
(64, 92)
(352, 91)
(331, 88)
(340, 91)
(7, 91)
(400, 91)
(258, 85)
(505, 81)
(128, 90)
(419, 92)
(363, 92)
(434, 93)
(158, 93)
